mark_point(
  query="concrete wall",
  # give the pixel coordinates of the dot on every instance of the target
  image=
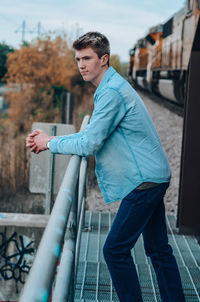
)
(20, 235)
(39, 162)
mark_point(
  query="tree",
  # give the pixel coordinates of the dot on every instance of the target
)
(122, 68)
(115, 62)
(4, 51)
(38, 69)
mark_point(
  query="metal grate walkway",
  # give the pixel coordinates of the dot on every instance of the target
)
(93, 280)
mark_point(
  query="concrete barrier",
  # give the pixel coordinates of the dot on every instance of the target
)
(39, 162)
(20, 235)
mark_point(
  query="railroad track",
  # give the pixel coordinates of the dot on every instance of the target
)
(170, 105)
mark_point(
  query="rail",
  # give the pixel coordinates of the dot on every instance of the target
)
(63, 231)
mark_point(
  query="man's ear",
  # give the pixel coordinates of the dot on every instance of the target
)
(104, 59)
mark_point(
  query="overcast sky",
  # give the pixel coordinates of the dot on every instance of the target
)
(122, 21)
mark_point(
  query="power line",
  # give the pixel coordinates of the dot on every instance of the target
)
(39, 30)
(23, 29)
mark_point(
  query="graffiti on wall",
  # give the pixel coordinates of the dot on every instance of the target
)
(16, 255)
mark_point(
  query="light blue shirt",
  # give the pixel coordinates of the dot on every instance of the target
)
(122, 137)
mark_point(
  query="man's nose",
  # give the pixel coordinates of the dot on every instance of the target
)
(81, 64)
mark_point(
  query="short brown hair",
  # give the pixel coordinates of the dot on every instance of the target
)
(97, 41)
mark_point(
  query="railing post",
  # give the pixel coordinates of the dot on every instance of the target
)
(67, 108)
(50, 177)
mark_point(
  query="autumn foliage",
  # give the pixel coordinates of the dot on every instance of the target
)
(36, 71)
(38, 74)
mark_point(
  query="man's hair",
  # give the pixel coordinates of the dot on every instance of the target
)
(97, 41)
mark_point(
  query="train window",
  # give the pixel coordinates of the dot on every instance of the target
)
(199, 4)
(142, 43)
(150, 39)
(167, 28)
(190, 4)
(132, 52)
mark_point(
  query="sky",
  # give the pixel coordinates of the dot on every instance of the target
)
(122, 21)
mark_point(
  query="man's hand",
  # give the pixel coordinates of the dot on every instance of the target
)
(37, 141)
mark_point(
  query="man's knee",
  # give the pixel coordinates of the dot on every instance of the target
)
(111, 250)
(161, 252)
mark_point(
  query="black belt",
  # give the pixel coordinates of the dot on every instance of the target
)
(147, 185)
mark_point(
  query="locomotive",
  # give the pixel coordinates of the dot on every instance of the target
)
(159, 61)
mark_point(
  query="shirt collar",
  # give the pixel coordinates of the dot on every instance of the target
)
(104, 80)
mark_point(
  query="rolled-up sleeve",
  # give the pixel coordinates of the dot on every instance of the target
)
(109, 110)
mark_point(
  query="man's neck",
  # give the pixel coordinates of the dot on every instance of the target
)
(97, 81)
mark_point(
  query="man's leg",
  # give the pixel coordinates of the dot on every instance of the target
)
(164, 263)
(133, 215)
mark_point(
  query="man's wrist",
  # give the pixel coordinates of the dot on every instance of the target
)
(48, 142)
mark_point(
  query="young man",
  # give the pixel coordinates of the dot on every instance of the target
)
(130, 165)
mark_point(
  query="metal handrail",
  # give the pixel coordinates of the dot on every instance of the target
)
(38, 286)
(65, 280)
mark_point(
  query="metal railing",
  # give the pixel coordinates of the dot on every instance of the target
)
(63, 231)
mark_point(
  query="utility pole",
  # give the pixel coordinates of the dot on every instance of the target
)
(39, 30)
(22, 29)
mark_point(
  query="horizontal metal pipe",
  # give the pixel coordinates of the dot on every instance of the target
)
(85, 122)
(71, 247)
(63, 279)
(38, 285)
(78, 239)
(39, 282)
(82, 184)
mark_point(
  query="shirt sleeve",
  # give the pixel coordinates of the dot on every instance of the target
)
(108, 112)
(70, 136)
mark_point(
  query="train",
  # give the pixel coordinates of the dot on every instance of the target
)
(159, 61)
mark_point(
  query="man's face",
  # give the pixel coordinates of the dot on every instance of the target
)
(91, 67)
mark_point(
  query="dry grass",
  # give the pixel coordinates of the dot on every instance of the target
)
(14, 163)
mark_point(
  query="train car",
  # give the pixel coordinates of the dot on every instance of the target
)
(159, 61)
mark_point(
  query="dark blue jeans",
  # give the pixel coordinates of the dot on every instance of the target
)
(142, 211)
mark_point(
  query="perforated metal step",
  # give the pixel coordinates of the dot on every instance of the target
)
(93, 280)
